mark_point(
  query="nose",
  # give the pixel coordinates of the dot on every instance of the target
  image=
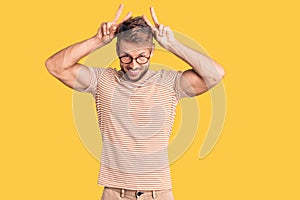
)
(133, 64)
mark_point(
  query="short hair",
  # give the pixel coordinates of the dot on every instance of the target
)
(134, 30)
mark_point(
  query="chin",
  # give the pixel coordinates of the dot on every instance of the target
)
(136, 78)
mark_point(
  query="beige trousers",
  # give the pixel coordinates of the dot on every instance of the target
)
(124, 194)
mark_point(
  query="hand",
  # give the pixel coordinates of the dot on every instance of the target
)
(163, 34)
(106, 32)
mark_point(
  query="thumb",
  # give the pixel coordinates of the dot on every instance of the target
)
(155, 32)
(113, 29)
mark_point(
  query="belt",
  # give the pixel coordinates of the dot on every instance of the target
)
(136, 193)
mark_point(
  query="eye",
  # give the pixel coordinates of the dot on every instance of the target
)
(143, 54)
(126, 57)
(142, 59)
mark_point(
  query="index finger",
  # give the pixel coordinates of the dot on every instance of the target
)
(118, 14)
(147, 21)
(155, 20)
(126, 17)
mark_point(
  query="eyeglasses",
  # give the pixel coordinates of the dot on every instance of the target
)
(127, 59)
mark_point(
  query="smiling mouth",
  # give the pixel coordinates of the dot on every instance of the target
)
(133, 72)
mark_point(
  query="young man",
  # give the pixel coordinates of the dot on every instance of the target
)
(135, 106)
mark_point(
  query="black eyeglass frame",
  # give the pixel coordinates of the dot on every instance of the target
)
(136, 59)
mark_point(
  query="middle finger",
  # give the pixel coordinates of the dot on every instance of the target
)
(126, 17)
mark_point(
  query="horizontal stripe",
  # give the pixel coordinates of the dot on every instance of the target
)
(135, 120)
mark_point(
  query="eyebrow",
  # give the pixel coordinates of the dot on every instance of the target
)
(140, 54)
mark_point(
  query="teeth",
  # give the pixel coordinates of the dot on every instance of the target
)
(133, 72)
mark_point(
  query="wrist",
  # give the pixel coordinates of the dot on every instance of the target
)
(173, 46)
(96, 42)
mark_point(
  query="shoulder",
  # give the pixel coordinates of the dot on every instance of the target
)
(167, 75)
(98, 72)
(171, 79)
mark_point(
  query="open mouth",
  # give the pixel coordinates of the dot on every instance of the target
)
(133, 72)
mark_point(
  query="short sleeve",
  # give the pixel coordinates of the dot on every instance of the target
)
(178, 90)
(95, 74)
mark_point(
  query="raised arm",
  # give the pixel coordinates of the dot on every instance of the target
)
(205, 72)
(64, 64)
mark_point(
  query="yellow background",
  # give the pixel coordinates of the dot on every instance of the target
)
(257, 42)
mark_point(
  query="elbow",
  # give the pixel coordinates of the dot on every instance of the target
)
(219, 73)
(216, 79)
(219, 76)
(51, 67)
(222, 73)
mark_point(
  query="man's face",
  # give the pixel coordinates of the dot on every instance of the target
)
(134, 70)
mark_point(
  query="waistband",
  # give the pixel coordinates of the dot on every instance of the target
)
(137, 193)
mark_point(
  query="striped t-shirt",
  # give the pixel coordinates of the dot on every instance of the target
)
(135, 121)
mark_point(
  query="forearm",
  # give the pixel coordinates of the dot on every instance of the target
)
(69, 56)
(204, 66)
